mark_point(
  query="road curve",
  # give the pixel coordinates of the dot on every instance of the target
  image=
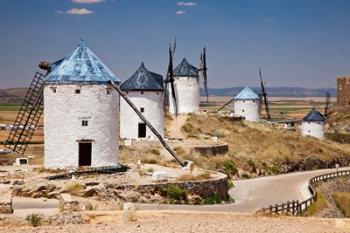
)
(257, 193)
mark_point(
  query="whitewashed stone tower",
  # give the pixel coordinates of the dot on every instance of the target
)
(187, 88)
(146, 90)
(246, 104)
(81, 112)
(313, 125)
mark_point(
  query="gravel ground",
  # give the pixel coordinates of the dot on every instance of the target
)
(165, 221)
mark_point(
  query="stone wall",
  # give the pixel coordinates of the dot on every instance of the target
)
(343, 91)
(205, 188)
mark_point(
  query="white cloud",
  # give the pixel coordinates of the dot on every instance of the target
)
(186, 3)
(180, 12)
(87, 1)
(76, 11)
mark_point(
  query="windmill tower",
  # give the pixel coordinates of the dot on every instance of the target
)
(187, 89)
(81, 112)
(146, 90)
(313, 124)
(247, 105)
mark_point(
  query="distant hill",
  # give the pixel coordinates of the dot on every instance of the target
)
(275, 91)
(16, 95)
(12, 95)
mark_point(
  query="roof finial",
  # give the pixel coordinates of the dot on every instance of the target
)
(142, 65)
(82, 43)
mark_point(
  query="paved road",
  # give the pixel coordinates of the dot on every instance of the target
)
(254, 194)
(249, 195)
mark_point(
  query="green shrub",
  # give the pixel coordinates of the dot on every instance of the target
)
(230, 168)
(214, 199)
(230, 184)
(34, 219)
(251, 164)
(177, 193)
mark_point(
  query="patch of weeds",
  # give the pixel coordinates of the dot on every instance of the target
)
(317, 206)
(89, 206)
(179, 150)
(74, 188)
(252, 165)
(150, 170)
(155, 152)
(204, 176)
(230, 168)
(214, 199)
(176, 193)
(150, 161)
(34, 219)
(230, 184)
(245, 176)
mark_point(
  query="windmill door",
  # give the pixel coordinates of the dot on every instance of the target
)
(142, 130)
(85, 153)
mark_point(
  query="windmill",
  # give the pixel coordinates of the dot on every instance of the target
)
(263, 96)
(32, 109)
(203, 70)
(170, 81)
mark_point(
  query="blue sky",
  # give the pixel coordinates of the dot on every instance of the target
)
(295, 42)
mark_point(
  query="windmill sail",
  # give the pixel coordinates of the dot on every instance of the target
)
(170, 81)
(203, 69)
(328, 102)
(223, 106)
(28, 116)
(264, 96)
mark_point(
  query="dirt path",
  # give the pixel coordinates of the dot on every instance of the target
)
(175, 127)
(190, 222)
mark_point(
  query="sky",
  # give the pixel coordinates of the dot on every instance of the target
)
(304, 43)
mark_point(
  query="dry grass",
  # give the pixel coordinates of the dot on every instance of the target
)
(260, 144)
(342, 201)
(319, 205)
(203, 176)
(74, 188)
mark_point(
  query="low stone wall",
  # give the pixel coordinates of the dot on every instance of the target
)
(204, 189)
(211, 150)
(6, 204)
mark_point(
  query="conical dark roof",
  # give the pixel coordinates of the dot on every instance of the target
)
(144, 80)
(186, 69)
(314, 116)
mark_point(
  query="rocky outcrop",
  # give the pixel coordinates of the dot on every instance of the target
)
(5, 203)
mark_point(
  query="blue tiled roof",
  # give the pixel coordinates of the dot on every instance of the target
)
(80, 66)
(186, 69)
(143, 79)
(314, 116)
(247, 94)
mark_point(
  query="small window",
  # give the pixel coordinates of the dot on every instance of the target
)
(53, 89)
(141, 92)
(84, 123)
(109, 91)
(243, 101)
(243, 110)
(142, 109)
(309, 131)
(157, 93)
(77, 91)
